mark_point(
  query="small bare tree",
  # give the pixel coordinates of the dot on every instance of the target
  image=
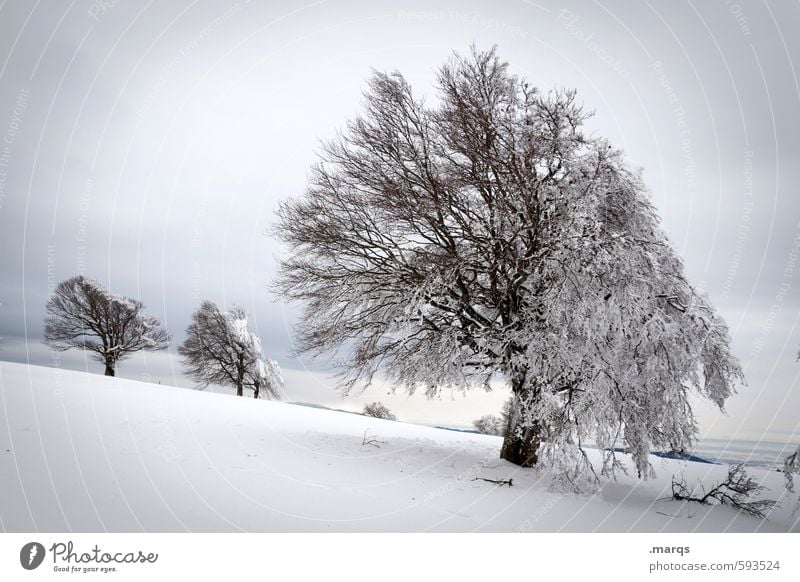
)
(82, 314)
(378, 410)
(220, 349)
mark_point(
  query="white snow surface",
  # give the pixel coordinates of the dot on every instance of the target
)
(83, 452)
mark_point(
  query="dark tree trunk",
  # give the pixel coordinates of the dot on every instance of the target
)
(522, 439)
(256, 390)
(522, 450)
(109, 366)
(240, 375)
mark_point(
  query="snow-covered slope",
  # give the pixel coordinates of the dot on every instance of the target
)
(83, 452)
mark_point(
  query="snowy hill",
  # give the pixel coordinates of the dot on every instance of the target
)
(84, 452)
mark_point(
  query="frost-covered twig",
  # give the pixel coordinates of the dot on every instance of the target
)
(791, 465)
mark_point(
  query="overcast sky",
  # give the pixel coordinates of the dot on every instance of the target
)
(147, 145)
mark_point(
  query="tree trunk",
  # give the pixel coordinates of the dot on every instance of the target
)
(109, 366)
(256, 390)
(240, 375)
(522, 437)
(522, 450)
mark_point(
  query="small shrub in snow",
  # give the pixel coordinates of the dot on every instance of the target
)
(378, 410)
(371, 440)
(488, 424)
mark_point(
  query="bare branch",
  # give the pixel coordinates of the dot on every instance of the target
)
(736, 490)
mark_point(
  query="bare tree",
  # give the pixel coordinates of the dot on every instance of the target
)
(378, 410)
(488, 235)
(220, 349)
(82, 314)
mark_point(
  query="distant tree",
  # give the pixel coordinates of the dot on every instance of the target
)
(489, 424)
(82, 314)
(488, 235)
(378, 410)
(220, 349)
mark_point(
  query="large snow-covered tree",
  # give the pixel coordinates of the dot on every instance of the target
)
(82, 314)
(220, 348)
(489, 236)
